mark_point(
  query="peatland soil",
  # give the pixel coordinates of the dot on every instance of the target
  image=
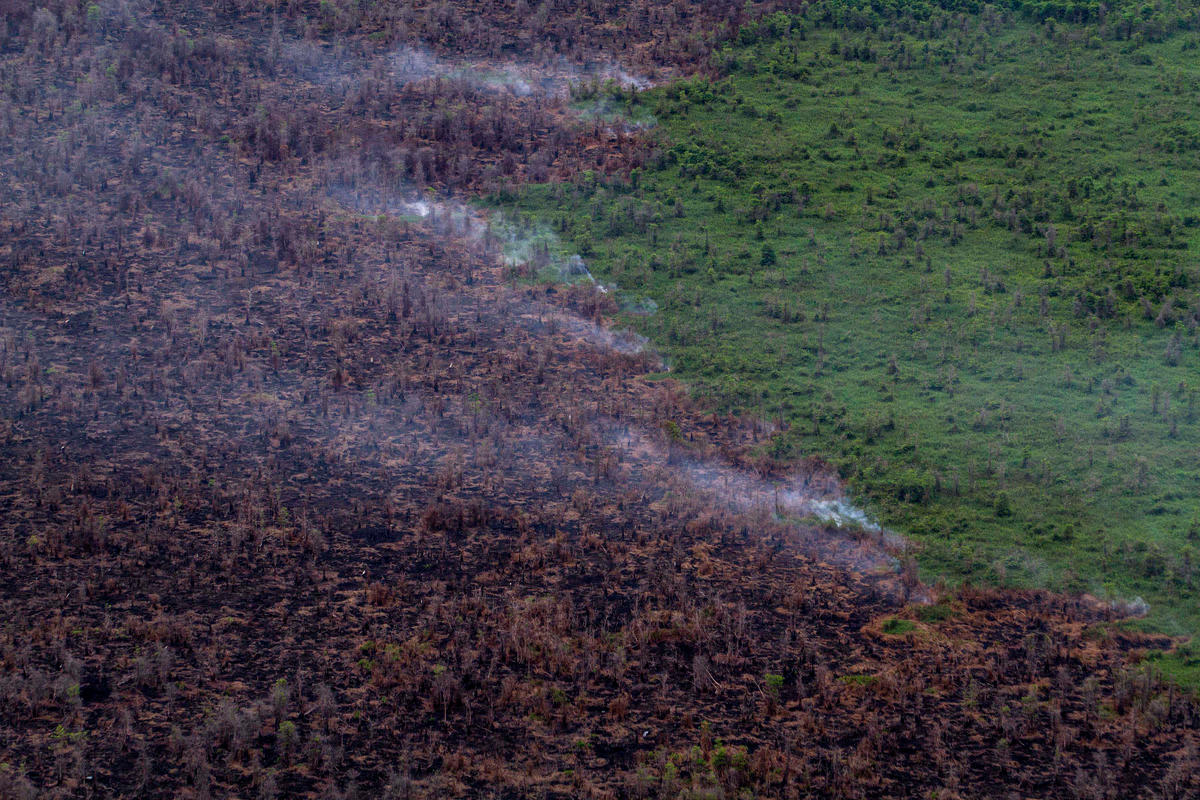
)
(303, 495)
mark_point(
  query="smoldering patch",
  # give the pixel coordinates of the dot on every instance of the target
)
(812, 508)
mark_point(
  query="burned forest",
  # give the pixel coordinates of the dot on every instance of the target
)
(325, 472)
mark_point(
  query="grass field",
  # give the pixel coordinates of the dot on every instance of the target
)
(958, 258)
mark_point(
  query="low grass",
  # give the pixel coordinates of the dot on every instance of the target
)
(898, 627)
(957, 258)
(937, 612)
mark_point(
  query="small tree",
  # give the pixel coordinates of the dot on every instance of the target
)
(768, 257)
(1003, 507)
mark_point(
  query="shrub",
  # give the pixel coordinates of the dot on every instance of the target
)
(898, 627)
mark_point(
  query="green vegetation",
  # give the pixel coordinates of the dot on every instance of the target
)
(954, 254)
(859, 680)
(62, 734)
(1183, 664)
(934, 613)
(898, 627)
